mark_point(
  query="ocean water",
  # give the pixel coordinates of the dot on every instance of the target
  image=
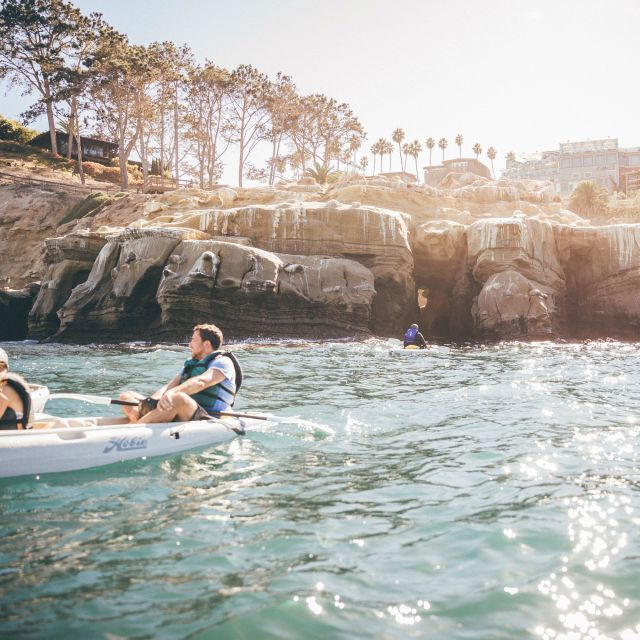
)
(485, 491)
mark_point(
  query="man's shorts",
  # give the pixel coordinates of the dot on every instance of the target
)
(200, 414)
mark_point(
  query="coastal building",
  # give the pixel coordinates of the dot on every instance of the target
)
(434, 174)
(603, 161)
(536, 166)
(630, 169)
(596, 160)
(93, 149)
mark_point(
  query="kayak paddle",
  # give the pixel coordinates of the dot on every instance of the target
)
(103, 400)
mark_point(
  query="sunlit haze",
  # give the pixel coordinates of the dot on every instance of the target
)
(519, 76)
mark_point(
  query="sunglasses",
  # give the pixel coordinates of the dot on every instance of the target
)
(3, 366)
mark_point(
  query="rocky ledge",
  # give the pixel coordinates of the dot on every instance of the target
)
(490, 259)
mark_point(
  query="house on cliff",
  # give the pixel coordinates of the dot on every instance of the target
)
(93, 149)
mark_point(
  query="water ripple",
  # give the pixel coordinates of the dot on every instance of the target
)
(467, 491)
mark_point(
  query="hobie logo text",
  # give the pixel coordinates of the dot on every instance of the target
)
(125, 444)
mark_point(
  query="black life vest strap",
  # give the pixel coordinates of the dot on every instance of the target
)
(21, 390)
(238, 369)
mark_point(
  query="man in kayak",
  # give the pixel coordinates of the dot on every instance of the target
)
(413, 337)
(15, 403)
(207, 383)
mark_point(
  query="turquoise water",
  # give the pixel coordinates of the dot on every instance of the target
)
(466, 492)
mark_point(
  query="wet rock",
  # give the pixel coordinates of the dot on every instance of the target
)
(512, 306)
(118, 298)
(69, 260)
(249, 291)
(14, 307)
(603, 275)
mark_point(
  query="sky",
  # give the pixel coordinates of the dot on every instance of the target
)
(518, 76)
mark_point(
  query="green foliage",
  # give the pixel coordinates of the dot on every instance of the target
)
(321, 173)
(27, 153)
(13, 130)
(155, 168)
(588, 199)
(85, 207)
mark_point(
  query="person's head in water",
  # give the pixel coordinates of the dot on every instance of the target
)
(4, 361)
(206, 338)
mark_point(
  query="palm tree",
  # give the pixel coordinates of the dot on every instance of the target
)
(442, 143)
(354, 144)
(459, 141)
(364, 163)
(430, 144)
(477, 149)
(388, 147)
(588, 198)
(406, 150)
(511, 157)
(321, 173)
(398, 136)
(491, 154)
(415, 148)
(374, 151)
(382, 150)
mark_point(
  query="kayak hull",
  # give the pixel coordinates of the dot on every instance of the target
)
(57, 445)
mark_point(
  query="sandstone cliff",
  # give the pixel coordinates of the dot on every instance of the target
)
(494, 259)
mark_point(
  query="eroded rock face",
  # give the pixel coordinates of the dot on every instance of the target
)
(603, 267)
(28, 216)
(529, 246)
(376, 238)
(498, 259)
(249, 291)
(516, 263)
(14, 307)
(512, 306)
(69, 260)
(119, 296)
(439, 248)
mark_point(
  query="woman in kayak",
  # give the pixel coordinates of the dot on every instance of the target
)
(413, 337)
(15, 403)
(207, 383)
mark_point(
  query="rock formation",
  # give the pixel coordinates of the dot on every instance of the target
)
(69, 260)
(377, 238)
(494, 259)
(156, 283)
(603, 283)
(249, 291)
(14, 307)
(28, 215)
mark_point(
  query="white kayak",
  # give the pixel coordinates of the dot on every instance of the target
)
(68, 444)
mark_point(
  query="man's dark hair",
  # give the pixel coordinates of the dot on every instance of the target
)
(211, 333)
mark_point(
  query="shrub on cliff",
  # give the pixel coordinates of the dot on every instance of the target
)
(321, 173)
(589, 199)
(85, 207)
(93, 169)
(13, 130)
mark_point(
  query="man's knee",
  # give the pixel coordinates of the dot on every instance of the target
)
(180, 400)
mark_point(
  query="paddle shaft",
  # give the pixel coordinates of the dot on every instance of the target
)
(129, 403)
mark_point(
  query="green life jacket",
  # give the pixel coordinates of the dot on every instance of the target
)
(223, 391)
